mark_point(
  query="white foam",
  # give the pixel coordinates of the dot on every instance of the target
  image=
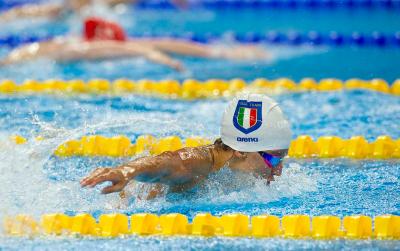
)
(26, 188)
(227, 187)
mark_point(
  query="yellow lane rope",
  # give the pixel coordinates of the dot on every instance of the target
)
(357, 147)
(191, 89)
(205, 224)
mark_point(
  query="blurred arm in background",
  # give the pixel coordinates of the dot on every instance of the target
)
(32, 10)
(55, 10)
(155, 50)
(188, 48)
(65, 50)
(43, 10)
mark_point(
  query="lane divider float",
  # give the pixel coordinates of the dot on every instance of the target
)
(190, 88)
(205, 224)
(273, 4)
(356, 147)
(293, 38)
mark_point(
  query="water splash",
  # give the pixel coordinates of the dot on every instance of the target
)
(27, 188)
(227, 188)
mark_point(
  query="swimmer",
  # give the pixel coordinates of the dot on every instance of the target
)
(104, 39)
(48, 10)
(61, 50)
(255, 137)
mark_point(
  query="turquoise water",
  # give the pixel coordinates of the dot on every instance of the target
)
(295, 63)
(220, 21)
(201, 244)
(35, 182)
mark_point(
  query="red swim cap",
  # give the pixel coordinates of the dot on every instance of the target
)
(99, 29)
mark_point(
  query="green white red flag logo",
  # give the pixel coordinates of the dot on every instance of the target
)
(248, 116)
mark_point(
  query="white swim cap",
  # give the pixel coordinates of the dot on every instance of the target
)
(254, 122)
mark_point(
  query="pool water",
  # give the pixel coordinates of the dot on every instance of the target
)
(290, 61)
(36, 182)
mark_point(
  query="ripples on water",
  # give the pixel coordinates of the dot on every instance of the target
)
(35, 182)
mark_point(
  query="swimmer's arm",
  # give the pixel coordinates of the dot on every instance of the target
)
(109, 49)
(186, 186)
(148, 52)
(257, 172)
(147, 169)
(179, 3)
(116, 2)
(194, 49)
(67, 51)
(22, 53)
(162, 58)
(156, 191)
(32, 10)
(179, 47)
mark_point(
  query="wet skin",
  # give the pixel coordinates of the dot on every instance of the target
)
(181, 169)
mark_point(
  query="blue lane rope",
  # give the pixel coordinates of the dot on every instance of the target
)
(7, 4)
(165, 4)
(215, 4)
(14, 41)
(333, 38)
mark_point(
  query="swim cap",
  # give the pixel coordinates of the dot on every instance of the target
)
(99, 29)
(254, 122)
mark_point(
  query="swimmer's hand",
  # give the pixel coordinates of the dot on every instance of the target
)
(245, 52)
(177, 65)
(100, 175)
(162, 58)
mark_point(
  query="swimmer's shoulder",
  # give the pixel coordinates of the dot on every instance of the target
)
(197, 156)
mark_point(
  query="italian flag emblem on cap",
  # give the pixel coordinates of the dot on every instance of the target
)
(247, 117)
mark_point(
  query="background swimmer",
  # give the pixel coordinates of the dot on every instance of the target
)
(53, 10)
(62, 50)
(56, 10)
(254, 117)
(47, 10)
(103, 39)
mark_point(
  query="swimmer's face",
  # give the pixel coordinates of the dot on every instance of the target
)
(277, 170)
(255, 163)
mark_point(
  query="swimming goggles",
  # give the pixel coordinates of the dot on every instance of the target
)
(270, 160)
